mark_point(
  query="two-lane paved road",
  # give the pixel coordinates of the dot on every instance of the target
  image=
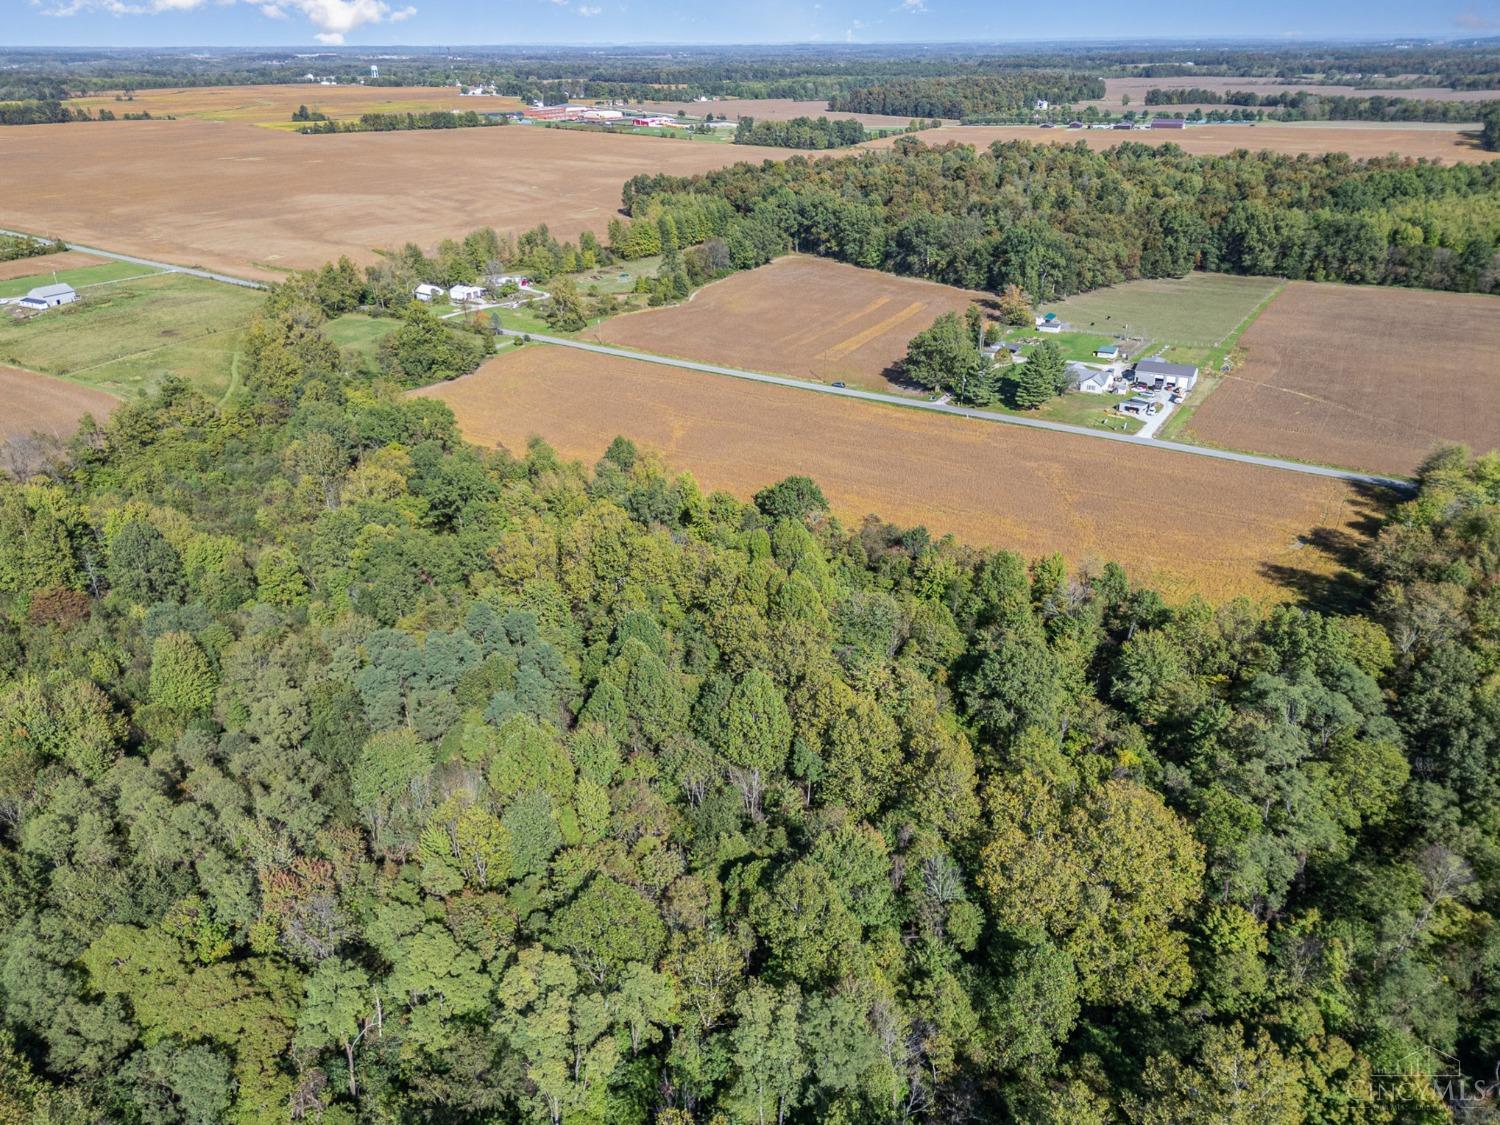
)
(976, 415)
(208, 275)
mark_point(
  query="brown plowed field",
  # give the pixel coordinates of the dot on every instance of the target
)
(41, 404)
(247, 201)
(1452, 146)
(1183, 523)
(810, 318)
(1362, 377)
(46, 263)
(274, 105)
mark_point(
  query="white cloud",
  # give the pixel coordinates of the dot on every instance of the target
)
(332, 19)
(587, 10)
(913, 6)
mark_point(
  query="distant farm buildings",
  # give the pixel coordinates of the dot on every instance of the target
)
(427, 292)
(1168, 123)
(459, 294)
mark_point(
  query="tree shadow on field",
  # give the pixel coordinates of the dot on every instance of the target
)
(1344, 587)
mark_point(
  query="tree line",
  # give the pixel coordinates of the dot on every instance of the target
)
(1091, 218)
(50, 112)
(400, 122)
(350, 771)
(801, 132)
(965, 96)
(1310, 105)
(13, 246)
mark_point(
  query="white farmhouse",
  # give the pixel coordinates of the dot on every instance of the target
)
(1090, 380)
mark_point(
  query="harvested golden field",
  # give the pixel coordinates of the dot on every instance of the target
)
(274, 105)
(807, 317)
(41, 404)
(1358, 139)
(255, 202)
(47, 264)
(1186, 524)
(1362, 377)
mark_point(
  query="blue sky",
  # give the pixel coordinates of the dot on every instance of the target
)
(252, 23)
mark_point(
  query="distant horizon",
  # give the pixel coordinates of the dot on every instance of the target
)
(971, 46)
(292, 24)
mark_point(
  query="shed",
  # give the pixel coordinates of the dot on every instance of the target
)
(1107, 351)
(427, 292)
(1180, 375)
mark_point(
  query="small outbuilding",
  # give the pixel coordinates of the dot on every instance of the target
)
(461, 294)
(1052, 326)
(427, 292)
(49, 296)
(1107, 351)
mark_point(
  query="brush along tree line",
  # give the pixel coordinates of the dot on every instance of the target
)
(350, 771)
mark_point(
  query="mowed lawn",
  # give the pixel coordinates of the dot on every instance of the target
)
(126, 338)
(77, 278)
(360, 334)
(1197, 311)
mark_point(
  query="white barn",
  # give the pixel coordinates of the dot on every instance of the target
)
(427, 292)
(49, 296)
(460, 294)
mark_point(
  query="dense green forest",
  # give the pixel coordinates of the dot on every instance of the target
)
(800, 132)
(1062, 219)
(352, 772)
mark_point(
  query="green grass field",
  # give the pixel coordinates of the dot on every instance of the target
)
(1196, 311)
(1078, 346)
(618, 278)
(87, 275)
(1096, 412)
(125, 338)
(360, 334)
